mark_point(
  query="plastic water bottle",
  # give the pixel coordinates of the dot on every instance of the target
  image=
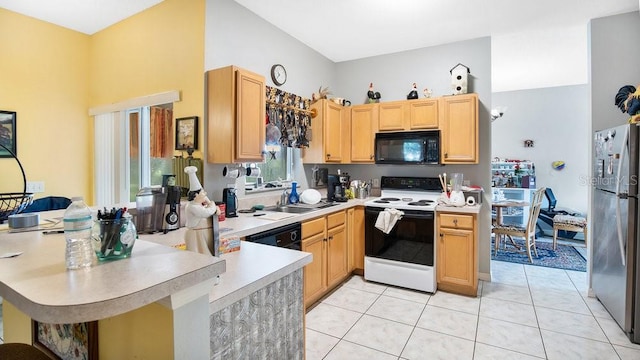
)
(79, 251)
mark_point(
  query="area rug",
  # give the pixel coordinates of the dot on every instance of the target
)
(565, 257)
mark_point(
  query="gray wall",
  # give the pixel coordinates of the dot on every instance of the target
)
(557, 120)
(614, 55)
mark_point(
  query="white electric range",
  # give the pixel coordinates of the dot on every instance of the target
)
(406, 255)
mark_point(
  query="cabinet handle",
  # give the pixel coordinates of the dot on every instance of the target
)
(441, 234)
(446, 155)
(455, 222)
(325, 239)
(328, 155)
(370, 157)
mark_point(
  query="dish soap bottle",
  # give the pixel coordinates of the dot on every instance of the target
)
(293, 196)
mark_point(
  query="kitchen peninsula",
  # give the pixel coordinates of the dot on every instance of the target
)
(151, 305)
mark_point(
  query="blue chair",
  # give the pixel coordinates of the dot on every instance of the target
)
(48, 203)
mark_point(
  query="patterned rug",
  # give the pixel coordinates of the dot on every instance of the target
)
(565, 257)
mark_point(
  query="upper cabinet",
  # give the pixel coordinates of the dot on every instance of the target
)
(363, 132)
(236, 115)
(329, 134)
(408, 115)
(459, 129)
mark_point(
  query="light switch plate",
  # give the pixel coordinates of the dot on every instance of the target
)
(35, 186)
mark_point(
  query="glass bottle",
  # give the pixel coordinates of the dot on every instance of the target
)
(293, 196)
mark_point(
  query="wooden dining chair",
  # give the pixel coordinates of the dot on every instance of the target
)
(528, 232)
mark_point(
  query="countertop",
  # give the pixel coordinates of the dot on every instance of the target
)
(38, 283)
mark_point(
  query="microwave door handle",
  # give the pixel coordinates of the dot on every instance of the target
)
(618, 179)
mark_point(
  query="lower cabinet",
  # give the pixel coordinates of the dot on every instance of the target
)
(457, 249)
(355, 228)
(326, 239)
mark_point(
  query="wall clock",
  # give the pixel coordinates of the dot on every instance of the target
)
(278, 74)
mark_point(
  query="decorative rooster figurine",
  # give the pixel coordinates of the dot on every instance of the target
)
(628, 100)
(374, 97)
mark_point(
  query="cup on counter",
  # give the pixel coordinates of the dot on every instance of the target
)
(234, 172)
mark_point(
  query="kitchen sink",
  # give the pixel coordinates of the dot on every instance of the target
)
(299, 208)
(288, 209)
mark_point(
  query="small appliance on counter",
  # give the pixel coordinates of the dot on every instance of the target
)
(336, 188)
(172, 205)
(230, 199)
(149, 212)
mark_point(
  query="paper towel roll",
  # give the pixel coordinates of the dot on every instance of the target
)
(471, 200)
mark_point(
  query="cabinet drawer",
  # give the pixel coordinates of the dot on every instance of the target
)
(336, 219)
(312, 227)
(456, 221)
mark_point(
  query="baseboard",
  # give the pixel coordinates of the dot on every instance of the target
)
(484, 276)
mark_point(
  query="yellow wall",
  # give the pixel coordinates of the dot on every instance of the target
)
(51, 76)
(158, 50)
(44, 77)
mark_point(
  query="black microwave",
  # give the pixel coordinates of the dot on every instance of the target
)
(411, 147)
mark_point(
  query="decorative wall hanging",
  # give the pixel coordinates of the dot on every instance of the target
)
(66, 341)
(288, 119)
(187, 133)
(8, 133)
(528, 143)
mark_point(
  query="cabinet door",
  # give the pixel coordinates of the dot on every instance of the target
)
(356, 241)
(333, 132)
(363, 130)
(455, 258)
(459, 125)
(314, 273)
(250, 110)
(337, 255)
(423, 114)
(391, 116)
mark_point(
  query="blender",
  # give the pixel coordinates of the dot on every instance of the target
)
(456, 198)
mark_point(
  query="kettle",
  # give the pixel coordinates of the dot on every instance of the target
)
(230, 200)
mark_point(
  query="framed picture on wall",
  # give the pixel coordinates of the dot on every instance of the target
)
(8, 133)
(66, 341)
(187, 133)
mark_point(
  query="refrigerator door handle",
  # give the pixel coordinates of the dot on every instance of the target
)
(624, 147)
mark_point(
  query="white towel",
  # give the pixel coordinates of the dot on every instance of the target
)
(387, 219)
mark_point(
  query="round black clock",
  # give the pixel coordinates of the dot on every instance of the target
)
(278, 74)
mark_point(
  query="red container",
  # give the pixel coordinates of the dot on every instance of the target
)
(222, 207)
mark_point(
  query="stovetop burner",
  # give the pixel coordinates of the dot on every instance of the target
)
(422, 202)
(388, 199)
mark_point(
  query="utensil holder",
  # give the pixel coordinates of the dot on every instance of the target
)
(113, 238)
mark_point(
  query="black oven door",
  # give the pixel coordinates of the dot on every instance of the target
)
(410, 241)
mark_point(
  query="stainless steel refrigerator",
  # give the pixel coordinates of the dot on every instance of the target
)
(615, 269)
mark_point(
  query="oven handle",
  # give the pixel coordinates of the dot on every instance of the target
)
(423, 215)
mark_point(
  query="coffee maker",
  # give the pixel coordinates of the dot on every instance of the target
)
(172, 205)
(336, 186)
(230, 200)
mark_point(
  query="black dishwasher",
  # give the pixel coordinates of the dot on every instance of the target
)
(288, 236)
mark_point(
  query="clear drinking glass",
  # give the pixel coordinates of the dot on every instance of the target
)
(456, 181)
(113, 238)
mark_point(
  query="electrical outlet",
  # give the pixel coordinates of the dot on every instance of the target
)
(35, 186)
(376, 183)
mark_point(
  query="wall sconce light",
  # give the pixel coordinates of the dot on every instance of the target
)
(497, 112)
(528, 143)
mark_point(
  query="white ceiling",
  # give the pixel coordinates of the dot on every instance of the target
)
(351, 29)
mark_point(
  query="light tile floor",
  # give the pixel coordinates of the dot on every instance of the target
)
(526, 312)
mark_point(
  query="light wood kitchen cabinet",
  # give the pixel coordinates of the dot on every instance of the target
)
(326, 239)
(355, 228)
(459, 129)
(363, 132)
(423, 114)
(408, 115)
(457, 249)
(392, 115)
(236, 113)
(328, 134)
